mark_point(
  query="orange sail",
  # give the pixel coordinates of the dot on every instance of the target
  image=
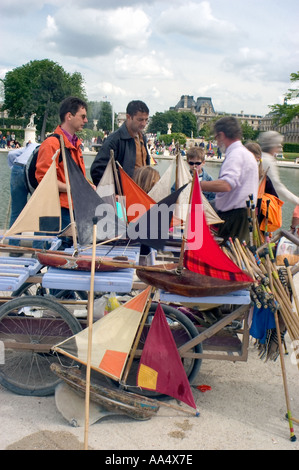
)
(138, 202)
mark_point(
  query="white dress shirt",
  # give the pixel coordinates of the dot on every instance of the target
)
(240, 170)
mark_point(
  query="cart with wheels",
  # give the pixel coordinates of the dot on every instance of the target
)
(31, 325)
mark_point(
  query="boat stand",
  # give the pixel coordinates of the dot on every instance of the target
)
(227, 346)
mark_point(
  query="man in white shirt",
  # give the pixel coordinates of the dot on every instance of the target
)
(238, 180)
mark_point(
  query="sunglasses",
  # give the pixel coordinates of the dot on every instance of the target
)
(195, 163)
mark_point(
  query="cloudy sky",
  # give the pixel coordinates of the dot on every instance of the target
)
(238, 52)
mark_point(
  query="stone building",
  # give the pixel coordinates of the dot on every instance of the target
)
(204, 111)
(290, 131)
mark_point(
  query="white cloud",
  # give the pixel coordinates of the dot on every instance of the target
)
(98, 32)
(51, 28)
(194, 20)
(140, 66)
(108, 89)
(158, 50)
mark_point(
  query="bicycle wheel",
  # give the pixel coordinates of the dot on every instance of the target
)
(29, 327)
(182, 330)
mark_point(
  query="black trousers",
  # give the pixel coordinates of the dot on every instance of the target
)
(235, 225)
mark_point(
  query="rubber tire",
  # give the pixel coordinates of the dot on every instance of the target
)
(73, 326)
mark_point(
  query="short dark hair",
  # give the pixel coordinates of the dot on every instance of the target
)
(230, 126)
(71, 105)
(196, 152)
(135, 106)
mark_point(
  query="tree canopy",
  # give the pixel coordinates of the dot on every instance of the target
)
(102, 111)
(284, 113)
(39, 87)
(181, 122)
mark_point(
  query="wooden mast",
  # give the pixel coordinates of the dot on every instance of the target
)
(69, 196)
(181, 259)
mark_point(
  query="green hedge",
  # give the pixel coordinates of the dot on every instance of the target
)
(177, 137)
(292, 147)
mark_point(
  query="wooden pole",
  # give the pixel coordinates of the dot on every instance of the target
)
(69, 196)
(284, 378)
(292, 285)
(90, 322)
(177, 168)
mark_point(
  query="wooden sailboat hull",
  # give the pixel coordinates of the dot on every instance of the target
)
(83, 262)
(119, 401)
(188, 284)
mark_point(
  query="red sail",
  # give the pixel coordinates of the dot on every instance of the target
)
(203, 255)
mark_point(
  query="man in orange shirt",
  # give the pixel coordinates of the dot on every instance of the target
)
(73, 118)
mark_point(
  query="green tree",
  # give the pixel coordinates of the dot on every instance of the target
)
(158, 124)
(189, 124)
(39, 87)
(207, 129)
(284, 113)
(105, 116)
(248, 133)
(181, 123)
(102, 111)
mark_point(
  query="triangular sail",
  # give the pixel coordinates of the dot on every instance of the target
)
(42, 212)
(152, 161)
(163, 187)
(88, 204)
(161, 367)
(138, 202)
(112, 338)
(152, 228)
(136, 198)
(202, 254)
(183, 176)
(106, 186)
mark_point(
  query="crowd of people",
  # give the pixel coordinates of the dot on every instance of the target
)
(239, 175)
(9, 141)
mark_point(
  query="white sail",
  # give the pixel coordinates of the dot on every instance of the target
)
(163, 187)
(42, 208)
(184, 176)
(106, 186)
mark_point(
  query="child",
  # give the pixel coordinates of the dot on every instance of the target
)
(196, 161)
(146, 177)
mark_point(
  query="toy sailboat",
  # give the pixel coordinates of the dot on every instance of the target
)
(203, 269)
